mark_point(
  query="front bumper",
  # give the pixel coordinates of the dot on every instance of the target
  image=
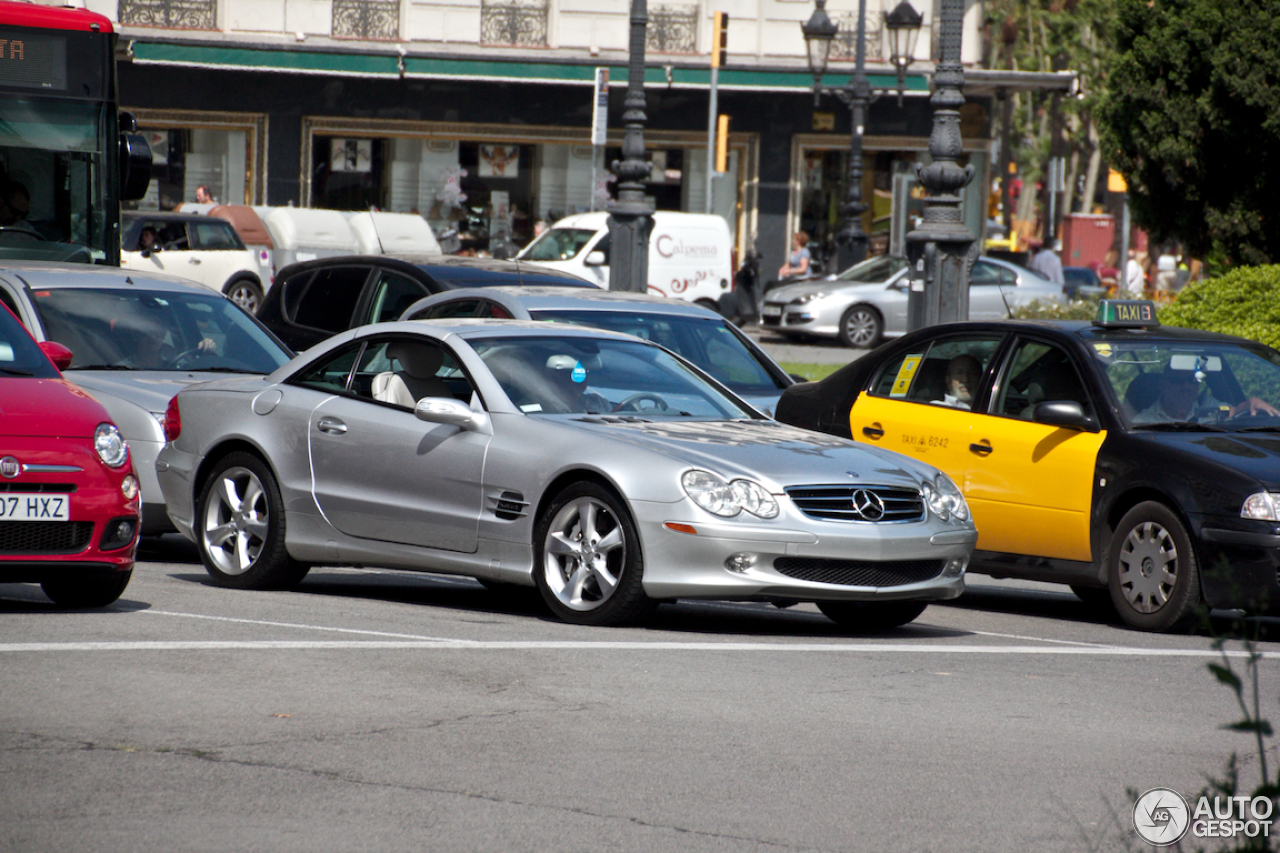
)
(1240, 565)
(794, 557)
(798, 319)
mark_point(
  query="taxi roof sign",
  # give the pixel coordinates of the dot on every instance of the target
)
(1126, 314)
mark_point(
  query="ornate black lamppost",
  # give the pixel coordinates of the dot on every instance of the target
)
(631, 217)
(942, 250)
(903, 24)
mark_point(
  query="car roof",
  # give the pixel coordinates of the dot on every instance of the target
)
(536, 297)
(1083, 330)
(51, 276)
(488, 327)
(167, 216)
(447, 267)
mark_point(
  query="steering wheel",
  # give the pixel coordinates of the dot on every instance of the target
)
(183, 360)
(632, 403)
(31, 235)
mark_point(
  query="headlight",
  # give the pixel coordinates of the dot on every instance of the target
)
(110, 445)
(807, 298)
(1264, 506)
(727, 499)
(945, 500)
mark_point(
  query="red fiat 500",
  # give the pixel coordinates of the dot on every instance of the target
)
(69, 501)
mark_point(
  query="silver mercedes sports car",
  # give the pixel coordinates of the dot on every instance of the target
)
(603, 469)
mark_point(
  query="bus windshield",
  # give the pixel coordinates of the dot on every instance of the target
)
(53, 173)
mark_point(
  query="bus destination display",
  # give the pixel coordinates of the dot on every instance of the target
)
(31, 60)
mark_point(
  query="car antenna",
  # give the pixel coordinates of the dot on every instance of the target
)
(374, 222)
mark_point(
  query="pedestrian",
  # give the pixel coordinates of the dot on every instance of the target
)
(1134, 279)
(1045, 261)
(203, 196)
(798, 261)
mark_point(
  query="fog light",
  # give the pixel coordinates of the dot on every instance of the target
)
(955, 567)
(129, 487)
(740, 562)
(118, 533)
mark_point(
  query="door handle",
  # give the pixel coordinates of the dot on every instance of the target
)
(983, 449)
(333, 426)
(873, 431)
(193, 260)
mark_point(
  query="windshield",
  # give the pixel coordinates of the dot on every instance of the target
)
(108, 329)
(710, 344)
(1165, 384)
(558, 244)
(52, 184)
(572, 375)
(874, 270)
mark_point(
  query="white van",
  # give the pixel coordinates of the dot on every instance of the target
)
(304, 234)
(690, 254)
(382, 233)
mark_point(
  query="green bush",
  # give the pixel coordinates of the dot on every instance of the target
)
(1244, 302)
(1077, 309)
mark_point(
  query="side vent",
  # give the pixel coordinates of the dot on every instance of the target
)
(508, 505)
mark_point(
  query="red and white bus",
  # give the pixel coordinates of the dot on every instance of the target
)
(67, 155)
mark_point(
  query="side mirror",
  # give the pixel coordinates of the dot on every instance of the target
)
(595, 258)
(135, 166)
(1062, 413)
(58, 354)
(445, 410)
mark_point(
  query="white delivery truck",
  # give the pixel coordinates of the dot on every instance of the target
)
(304, 234)
(690, 254)
(382, 233)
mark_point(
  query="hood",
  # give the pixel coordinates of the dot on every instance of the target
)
(149, 389)
(775, 454)
(1255, 455)
(47, 407)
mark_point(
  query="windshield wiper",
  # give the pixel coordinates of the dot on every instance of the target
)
(100, 367)
(1273, 428)
(15, 372)
(1181, 426)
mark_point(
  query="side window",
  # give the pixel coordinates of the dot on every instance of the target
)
(331, 375)
(1039, 372)
(455, 308)
(392, 294)
(215, 236)
(983, 274)
(403, 371)
(329, 302)
(948, 372)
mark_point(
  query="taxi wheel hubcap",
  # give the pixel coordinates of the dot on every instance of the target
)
(584, 554)
(1148, 567)
(236, 521)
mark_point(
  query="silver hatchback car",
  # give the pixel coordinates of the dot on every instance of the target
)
(868, 302)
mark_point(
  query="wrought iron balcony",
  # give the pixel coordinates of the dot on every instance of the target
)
(171, 14)
(516, 23)
(672, 29)
(845, 44)
(373, 20)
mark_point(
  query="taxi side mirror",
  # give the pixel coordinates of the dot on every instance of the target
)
(1062, 413)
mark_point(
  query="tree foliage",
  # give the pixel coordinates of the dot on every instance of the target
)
(1189, 118)
(1244, 302)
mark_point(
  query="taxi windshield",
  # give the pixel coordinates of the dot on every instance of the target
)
(1179, 384)
(575, 375)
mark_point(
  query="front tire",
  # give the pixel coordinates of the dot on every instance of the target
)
(871, 616)
(1152, 571)
(86, 588)
(241, 527)
(861, 327)
(588, 565)
(245, 293)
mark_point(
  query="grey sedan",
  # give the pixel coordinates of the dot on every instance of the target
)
(697, 333)
(602, 469)
(868, 302)
(135, 339)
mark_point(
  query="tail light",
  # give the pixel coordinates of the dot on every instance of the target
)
(172, 420)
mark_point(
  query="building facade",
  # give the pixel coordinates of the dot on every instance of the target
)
(478, 113)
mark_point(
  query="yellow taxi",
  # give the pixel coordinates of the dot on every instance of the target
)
(1138, 463)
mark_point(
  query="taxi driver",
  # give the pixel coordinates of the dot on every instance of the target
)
(1180, 401)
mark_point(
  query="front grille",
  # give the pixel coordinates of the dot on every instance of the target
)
(859, 572)
(837, 503)
(45, 537)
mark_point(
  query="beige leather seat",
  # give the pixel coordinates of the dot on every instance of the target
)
(416, 377)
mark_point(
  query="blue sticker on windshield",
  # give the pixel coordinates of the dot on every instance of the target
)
(579, 373)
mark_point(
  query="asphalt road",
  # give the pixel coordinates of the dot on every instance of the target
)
(386, 711)
(814, 351)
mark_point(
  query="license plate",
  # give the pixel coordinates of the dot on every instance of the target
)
(772, 311)
(20, 507)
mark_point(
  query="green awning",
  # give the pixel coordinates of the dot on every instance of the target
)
(486, 70)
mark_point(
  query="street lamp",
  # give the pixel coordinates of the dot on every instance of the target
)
(631, 217)
(941, 250)
(819, 31)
